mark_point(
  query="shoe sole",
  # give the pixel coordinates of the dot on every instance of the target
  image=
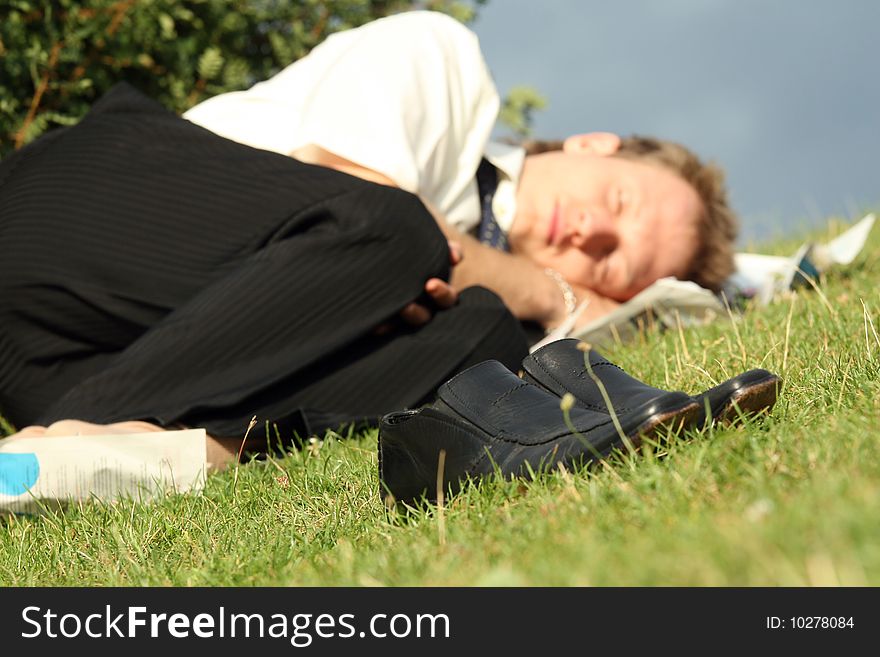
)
(659, 424)
(748, 401)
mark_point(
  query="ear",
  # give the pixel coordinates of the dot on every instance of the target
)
(592, 143)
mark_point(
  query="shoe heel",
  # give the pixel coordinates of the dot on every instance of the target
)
(410, 443)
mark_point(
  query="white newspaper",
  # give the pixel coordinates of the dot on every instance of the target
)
(670, 303)
(764, 276)
(52, 471)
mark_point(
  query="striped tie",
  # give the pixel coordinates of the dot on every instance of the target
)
(489, 232)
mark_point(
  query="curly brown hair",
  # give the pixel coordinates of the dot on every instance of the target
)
(713, 262)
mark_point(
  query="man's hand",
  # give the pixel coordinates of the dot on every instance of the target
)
(443, 295)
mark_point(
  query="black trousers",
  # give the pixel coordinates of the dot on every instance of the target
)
(150, 269)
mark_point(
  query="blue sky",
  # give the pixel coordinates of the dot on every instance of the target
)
(784, 94)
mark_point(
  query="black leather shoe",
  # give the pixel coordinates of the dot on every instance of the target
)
(488, 420)
(559, 368)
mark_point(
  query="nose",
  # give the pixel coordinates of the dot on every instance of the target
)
(595, 233)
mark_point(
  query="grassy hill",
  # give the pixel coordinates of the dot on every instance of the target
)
(793, 499)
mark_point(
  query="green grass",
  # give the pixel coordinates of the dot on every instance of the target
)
(790, 500)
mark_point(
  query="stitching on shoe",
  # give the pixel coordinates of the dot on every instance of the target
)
(599, 366)
(507, 394)
(606, 363)
(503, 436)
(511, 437)
(562, 385)
(464, 403)
(594, 407)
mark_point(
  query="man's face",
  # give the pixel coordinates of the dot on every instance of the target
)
(609, 224)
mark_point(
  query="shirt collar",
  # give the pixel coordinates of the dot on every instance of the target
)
(508, 160)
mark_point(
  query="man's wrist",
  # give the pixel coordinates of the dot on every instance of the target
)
(560, 298)
(568, 297)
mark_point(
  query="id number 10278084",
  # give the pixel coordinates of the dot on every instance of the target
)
(810, 623)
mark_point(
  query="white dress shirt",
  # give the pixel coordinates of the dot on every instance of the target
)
(409, 96)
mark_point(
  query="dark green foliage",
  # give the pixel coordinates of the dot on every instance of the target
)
(58, 56)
